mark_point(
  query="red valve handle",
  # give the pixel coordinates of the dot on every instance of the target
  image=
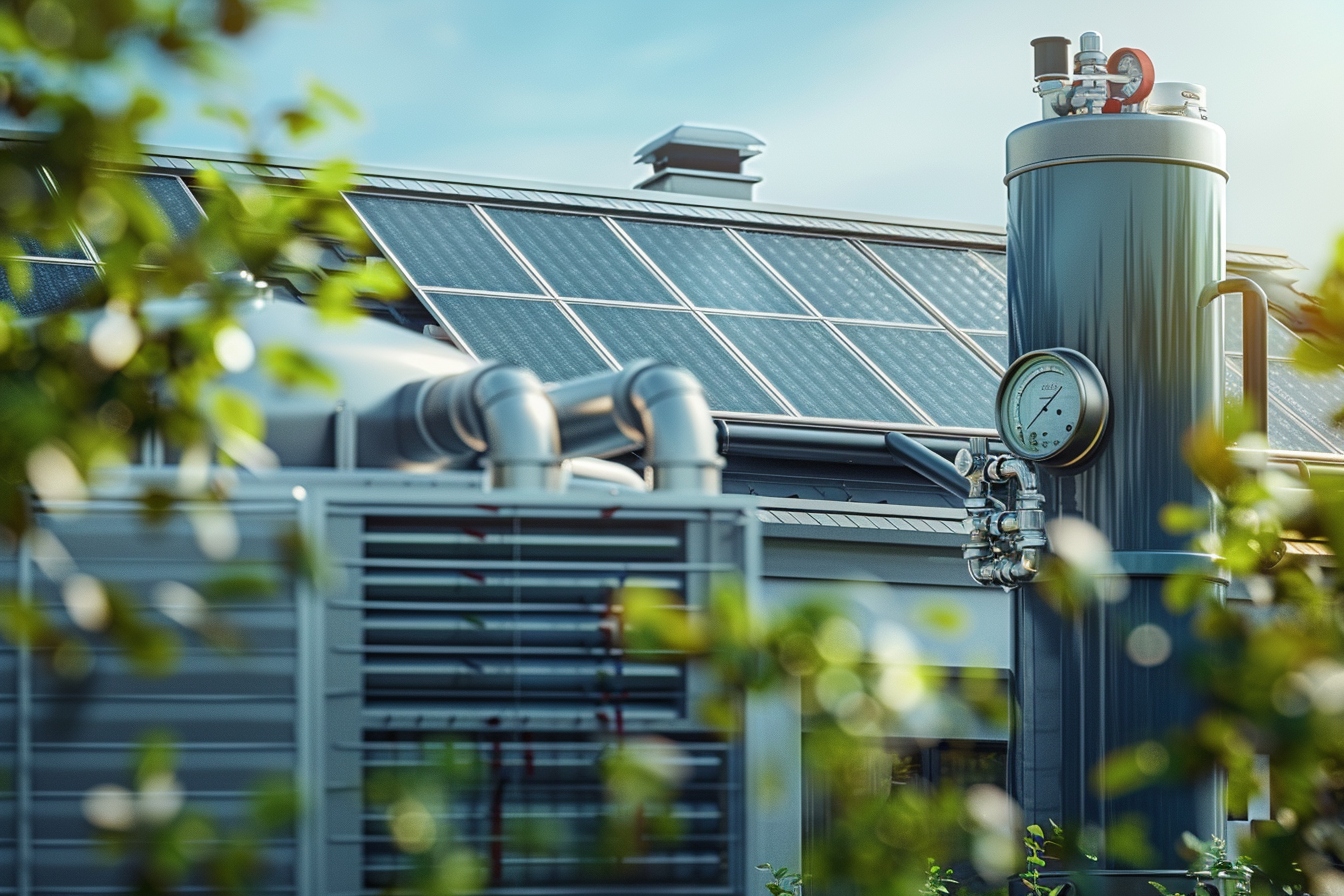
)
(1147, 77)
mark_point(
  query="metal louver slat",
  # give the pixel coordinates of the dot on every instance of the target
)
(501, 635)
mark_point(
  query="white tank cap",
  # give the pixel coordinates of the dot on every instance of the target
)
(1179, 98)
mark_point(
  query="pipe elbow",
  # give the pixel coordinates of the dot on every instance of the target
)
(495, 409)
(667, 405)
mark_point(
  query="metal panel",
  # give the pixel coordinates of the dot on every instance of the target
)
(580, 256)
(529, 333)
(836, 279)
(678, 337)
(52, 287)
(813, 370)
(711, 269)
(934, 369)
(230, 714)
(442, 244)
(953, 281)
(173, 201)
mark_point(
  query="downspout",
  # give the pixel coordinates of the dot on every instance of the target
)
(495, 409)
(1254, 342)
(659, 406)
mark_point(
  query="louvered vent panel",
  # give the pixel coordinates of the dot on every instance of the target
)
(231, 714)
(498, 634)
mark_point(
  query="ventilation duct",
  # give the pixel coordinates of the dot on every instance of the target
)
(660, 407)
(496, 409)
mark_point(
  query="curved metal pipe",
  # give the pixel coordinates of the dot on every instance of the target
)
(651, 404)
(1254, 342)
(495, 409)
(681, 440)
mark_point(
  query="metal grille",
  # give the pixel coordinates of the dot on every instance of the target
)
(497, 634)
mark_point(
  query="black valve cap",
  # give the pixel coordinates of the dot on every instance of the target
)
(1052, 58)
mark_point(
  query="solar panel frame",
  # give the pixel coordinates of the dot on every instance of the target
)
(715, 339)
(775, 293)
(549, 270)
(488, 236)
(473, 344)
(913, 265)
(811, 294)
(41, 297)
(183, 217)
(799, 392)
(933, 347)
(1280, 416)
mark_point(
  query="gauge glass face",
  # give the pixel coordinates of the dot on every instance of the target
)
(1043, 409)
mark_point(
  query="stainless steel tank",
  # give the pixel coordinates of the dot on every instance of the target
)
(1115, 225)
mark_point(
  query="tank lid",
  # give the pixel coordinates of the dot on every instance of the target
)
(1116, 138)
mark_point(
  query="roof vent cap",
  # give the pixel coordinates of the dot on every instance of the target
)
(702, 160)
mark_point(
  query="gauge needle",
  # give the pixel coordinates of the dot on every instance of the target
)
(1043, 407)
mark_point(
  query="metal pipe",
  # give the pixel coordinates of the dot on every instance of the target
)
(925, 462)
(682, 443)
(1254, 342)
(658, 406)
(840, 446)
(495, 409)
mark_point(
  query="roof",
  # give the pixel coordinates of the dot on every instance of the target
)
(785, 314)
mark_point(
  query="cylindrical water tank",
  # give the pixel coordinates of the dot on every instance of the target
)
(1115, 225)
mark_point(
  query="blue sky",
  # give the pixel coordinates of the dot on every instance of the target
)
(892, 107)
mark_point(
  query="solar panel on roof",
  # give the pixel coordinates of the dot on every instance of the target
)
(174, 203)
(68, 249)
(1281, 340)
(953, 281)
(529, 333)
(836, 279)
(711, 268)
(994, 343)
(442, 244)
(1285, 432)
(581, 257)
(52, 287)
(676, 336)
(998, 260)
(938, 373)
(814, 370)
(1315, 399)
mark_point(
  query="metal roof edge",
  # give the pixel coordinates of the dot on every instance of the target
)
(708, 202)
(489, 181)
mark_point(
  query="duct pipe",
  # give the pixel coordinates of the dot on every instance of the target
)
(659, 406)
(495, 409)
(927, 463)
(1254, 342)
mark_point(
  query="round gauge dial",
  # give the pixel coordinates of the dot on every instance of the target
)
(1052, 407)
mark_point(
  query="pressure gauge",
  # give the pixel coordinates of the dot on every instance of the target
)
(1052, 407)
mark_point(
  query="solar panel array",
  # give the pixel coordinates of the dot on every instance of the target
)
(59, 274)
(775, 324)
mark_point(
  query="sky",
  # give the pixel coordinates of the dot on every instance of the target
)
(896, 107)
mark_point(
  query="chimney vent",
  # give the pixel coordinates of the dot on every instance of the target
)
(705, 161)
